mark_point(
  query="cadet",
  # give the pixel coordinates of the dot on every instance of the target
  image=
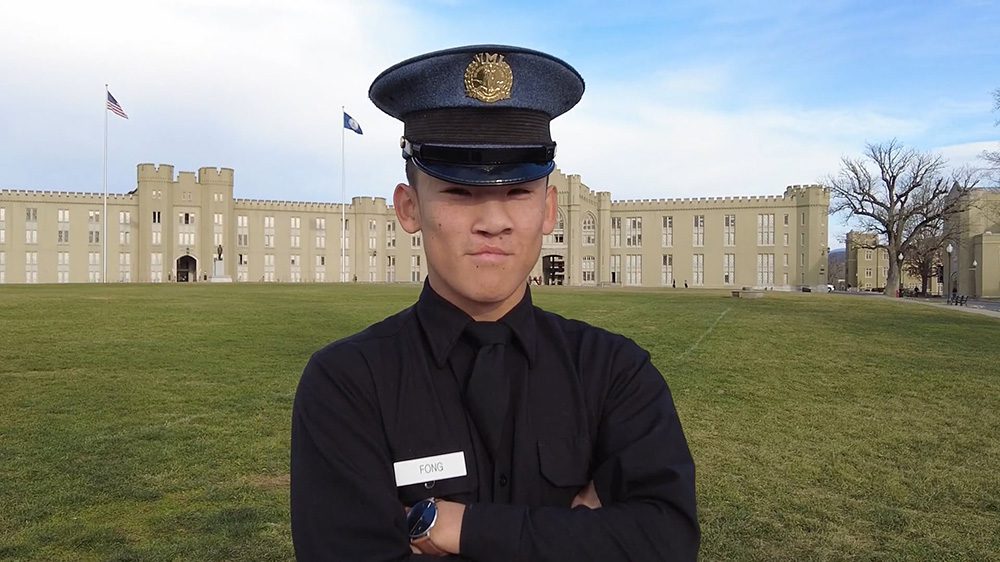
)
(473, 423)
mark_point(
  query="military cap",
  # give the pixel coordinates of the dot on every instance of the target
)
(479, 115)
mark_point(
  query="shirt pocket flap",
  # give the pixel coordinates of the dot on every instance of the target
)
(456, 488)
(565, 461)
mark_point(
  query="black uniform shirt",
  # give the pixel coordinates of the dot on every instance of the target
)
(586, 405)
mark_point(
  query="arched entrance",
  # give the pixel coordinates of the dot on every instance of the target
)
(553, 270)
(187, 269)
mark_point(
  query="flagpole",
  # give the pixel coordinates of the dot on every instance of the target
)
(104, 234)
(343, 202)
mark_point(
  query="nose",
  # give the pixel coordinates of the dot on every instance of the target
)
(492, 218)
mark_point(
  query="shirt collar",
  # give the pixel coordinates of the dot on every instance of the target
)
(443, 323)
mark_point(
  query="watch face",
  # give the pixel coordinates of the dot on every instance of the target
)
(421, 518)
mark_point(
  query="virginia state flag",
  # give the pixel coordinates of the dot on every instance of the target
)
(350, 123)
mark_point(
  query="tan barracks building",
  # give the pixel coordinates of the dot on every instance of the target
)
(175, 227)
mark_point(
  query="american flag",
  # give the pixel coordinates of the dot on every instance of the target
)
(115, 107)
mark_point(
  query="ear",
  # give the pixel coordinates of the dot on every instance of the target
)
(551, 209)
(404, 200)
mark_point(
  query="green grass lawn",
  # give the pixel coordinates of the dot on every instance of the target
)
(152, 422)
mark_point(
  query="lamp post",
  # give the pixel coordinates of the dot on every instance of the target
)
(949, 248)
(973, 268)
(899, 271)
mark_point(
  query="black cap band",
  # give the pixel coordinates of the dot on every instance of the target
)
(478, 125)
(479, 155)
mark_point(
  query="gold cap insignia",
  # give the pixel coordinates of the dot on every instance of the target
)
(488, 78)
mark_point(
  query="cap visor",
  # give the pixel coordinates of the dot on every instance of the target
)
(499, 174)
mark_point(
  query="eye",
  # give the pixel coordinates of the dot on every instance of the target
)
(457, 191)
(518, 192)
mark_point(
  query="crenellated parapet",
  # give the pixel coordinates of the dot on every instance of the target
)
(27, 195)
(155, 172)
(368, 205)
(214, 175)
(794, 195)
(270, 204)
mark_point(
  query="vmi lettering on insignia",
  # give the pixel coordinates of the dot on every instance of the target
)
(488, 78)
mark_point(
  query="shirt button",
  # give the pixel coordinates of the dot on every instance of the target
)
(503, 480)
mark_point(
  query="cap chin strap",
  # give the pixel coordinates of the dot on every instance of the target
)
(479, 155)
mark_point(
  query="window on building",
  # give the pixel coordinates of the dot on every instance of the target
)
(616, 268)
(668, 232)
(94, 267)
(667, 270)
(868, 273)
(589, 230)
(786, 238)
(729, 269)
(31, 214)
(786, 219)
(698, 269)
(93, 227)
(124, 227)
(633, 232)
(786, 260)
(62, 267)
(729, 230)
(157, 238)
(633, 269)
(372, 234)
(390, 269)
(869, 254)
(699, 230)
(242, 231)
(765, 230)
(62, 234)
(765, 270)
(31, 267)
(803, 221)
(558, 235)
(390, 234)
(156, 217)
(320, 223)
(416, 240)
(588, 270)
(415, 276)
(616, 232)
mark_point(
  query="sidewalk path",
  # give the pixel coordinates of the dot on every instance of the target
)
(979, 306)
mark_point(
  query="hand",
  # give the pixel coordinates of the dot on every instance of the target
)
(587, 497)
(446, 535)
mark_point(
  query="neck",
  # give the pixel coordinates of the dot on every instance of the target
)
(480, 311)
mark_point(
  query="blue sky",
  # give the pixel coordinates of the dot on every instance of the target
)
(683, 98)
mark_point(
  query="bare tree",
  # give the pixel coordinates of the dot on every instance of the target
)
(924, 255)
(992, 157)
(898, 193)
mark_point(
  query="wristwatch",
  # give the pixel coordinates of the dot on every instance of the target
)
(420, 520)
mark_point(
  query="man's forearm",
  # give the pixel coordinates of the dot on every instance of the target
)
(632, 531)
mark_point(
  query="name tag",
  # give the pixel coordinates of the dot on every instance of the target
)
(427, 469)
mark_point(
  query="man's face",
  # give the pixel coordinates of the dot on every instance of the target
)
(480, 242)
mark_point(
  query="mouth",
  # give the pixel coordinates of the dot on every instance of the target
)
(489, 254)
